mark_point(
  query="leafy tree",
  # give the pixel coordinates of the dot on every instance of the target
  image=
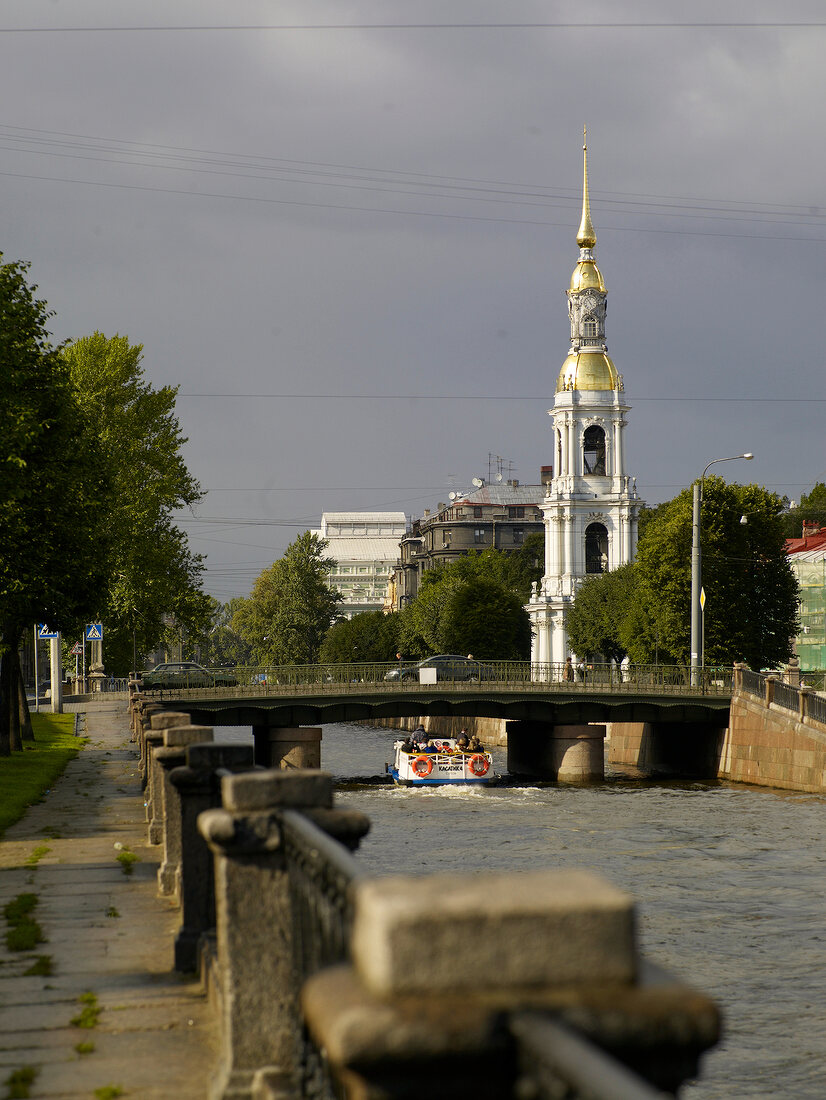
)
(370, 636)
(812, 509)
(54, 489)
(751, 592)
(526, 565)
(487, 620)
(449, 614)
(291, 606)
(224, 645)
(154, 580)
(599, 613)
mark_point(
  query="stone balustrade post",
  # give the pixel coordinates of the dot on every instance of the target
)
(153, 741)
(258, 1002)
(144, 726)
(198, 784)
(171, 755)
(441, 962)
(771, 680)
(739, 666)
(803, 694)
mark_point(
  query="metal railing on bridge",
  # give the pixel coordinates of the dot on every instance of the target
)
(768, 687)
(460, 674)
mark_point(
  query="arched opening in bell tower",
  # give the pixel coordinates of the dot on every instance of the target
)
(593, 451)
(596, 548)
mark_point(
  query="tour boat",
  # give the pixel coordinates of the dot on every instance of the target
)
(447, 765)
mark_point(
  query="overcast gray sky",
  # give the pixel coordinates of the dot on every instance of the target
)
(348, 244)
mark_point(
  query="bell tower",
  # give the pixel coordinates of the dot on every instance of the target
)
(591, 505)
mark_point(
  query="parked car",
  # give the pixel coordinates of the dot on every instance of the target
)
(185, 674)
(449, 666)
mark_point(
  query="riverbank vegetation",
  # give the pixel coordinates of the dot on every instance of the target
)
(26, 776)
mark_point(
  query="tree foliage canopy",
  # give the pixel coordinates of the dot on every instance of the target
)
(54, 488)
(154, 581)
(473, 605)
(595, 623)
(371, 636)
(751, 591)
(811, 509)
(291, 606)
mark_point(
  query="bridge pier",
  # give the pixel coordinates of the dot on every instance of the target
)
(685, 750)
(567, 754)
(287, 746)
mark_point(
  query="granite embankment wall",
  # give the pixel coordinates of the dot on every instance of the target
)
(771, 747)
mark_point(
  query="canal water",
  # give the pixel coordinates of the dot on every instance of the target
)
(730, 884)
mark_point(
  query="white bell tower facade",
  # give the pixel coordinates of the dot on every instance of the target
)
(591, 505)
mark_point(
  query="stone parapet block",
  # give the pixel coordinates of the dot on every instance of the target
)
(181, 736)
(165, 719)
(264, 790)
(388, 1046)
(218, 754)
(492, 931)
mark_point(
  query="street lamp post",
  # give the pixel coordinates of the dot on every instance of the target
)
(697, 640)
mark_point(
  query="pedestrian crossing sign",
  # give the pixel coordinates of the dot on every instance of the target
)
(94, 632)
(44, 632)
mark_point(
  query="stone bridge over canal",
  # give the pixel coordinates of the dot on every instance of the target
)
(554, 729)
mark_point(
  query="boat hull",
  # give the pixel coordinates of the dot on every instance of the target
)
(446, 766)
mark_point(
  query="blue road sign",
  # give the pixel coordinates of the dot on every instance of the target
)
(94, 632)
(44, 632)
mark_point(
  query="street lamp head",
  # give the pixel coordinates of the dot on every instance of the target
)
(748, 455)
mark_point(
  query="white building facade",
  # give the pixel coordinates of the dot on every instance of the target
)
(365, 547)
(591, 506)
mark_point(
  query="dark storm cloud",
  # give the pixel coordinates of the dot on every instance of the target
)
(384, 212)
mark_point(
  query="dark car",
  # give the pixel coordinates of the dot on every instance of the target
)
(449, 666)
(182, 674)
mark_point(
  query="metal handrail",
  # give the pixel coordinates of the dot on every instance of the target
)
(372, 678)
(555, 1061)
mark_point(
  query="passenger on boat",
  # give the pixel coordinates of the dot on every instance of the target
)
(408, 746)
(429, 748)
(462, 744)
(475, 745)
(420, 736)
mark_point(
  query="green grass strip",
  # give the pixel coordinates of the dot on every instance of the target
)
(26, 776)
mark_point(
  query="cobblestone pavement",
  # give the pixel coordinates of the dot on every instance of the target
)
(108, 934)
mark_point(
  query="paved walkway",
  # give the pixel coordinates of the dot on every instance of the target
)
(107, 933)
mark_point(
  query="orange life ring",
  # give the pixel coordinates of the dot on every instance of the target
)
(422, 766)
(478, 764)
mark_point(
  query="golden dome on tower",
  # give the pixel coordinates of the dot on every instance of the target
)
(588, 370)
(586, 274)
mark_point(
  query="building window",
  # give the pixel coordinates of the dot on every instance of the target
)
(477, 513)
(518, 536)
(479, 534)
(589, 328)
(516, 512)
(596, 548)
(593, 452)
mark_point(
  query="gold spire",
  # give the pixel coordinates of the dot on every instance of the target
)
(586, 237)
